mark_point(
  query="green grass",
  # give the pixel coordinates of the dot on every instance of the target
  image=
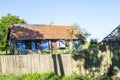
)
(52, 76)
(2, 52)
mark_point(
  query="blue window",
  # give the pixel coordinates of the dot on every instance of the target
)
(62, 44)
(44, 45)
(21, 46)
(33, 45)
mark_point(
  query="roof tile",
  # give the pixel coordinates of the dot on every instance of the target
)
(28, 32)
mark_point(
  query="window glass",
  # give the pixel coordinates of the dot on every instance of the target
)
(28, 45)
(62, 44)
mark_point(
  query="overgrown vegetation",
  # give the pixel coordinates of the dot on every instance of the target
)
(53, 76)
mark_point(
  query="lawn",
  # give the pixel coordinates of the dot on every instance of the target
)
(52, 76)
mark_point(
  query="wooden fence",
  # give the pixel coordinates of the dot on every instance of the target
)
(28, 64)
(62, 64)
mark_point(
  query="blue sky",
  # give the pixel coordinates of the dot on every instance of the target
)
(98, 17)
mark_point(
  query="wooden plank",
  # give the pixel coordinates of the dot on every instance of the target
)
(75, 66)
(0, 65)
(46, 65)
(39, 64)
(11, 64)
(26, 64)
(3, 65)
(7, 64)
(35, 63)
(68, 65)
(51, 67)
(15, 64)
(42, 64)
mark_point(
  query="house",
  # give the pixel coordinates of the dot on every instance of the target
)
(28, 38)
(112, 40)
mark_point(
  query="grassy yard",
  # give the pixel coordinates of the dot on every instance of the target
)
(52, 76)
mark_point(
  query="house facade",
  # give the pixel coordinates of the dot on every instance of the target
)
(29, 38)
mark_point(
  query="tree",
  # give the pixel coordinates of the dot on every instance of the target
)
(5, 23)
(81, 30)
(93, 44)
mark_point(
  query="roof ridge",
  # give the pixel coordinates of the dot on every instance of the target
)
(28, 25)
(40, 25)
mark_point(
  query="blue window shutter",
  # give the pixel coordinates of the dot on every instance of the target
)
(33, 45)
(44, 45)
(22, 46)
(62, 44)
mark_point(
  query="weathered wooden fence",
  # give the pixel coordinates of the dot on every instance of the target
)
(28, 64)
(63, 64)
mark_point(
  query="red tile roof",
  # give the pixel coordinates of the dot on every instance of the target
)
(28, 32)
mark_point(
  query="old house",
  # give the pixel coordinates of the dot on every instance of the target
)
(28, 38)
(112, 40)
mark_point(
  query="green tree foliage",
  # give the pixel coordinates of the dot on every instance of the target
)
(5, 23)
(93, 44)
(82, 31)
